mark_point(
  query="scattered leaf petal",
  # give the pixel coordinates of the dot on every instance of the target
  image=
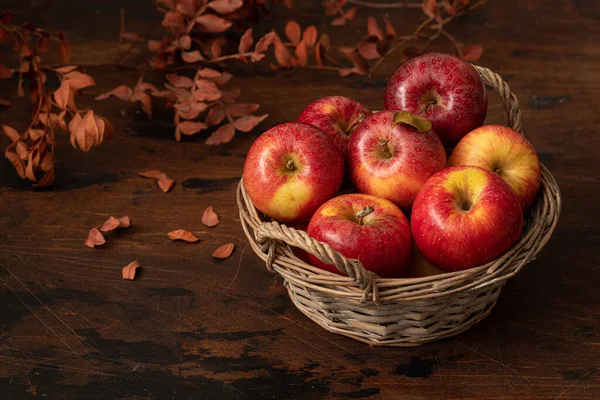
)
(181, 234)
(165, 182)
(224, 251)
(210, 217)
(222, 135)
(94, 238)
(130, 270)
(152, 174)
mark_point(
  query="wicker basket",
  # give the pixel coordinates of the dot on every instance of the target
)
(399, 312)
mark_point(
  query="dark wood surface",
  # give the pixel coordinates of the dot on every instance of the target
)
(192, 327)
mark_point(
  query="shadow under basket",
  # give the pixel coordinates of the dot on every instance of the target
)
(399, 312)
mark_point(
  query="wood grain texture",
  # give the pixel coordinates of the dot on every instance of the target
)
(190, 326)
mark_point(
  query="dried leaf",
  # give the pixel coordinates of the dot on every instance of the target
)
(185, 42)
(319, 54)
(210, 217)
(264, 42)
(302, 53)
(11, 133)
(293, 32)
(239, 110)
(86, 134)
(175, 21)
(389, 28)
(215, 115)
(430, 8)
(224, 251)
(30, 165)
(63, 47)
(309, 37)
(181, 234)
(122, 92)
(209, 73)
(206, 90)
(350, 14)
(191, 127)
(146, 101)
(61, 96)
(472, 52)
(94, 238)
(164, 182)
(187, 7)
(246, 42)
(47, 179)
(110, 224)
(368, 50)
(180, 81)
(361, 67)
(143, 86)
(77, 80)
(215, 47)
(129, 271)
(190, 111)
(248, 122)
(5, 72)
(222, 135)
(66, 69)
(212, 23)
(109, 129)
(152, 173)
(192, 56)
(282, 55)
(17, 163)
(223, 79)
(339, 21)
(373, 28)
(225, 6)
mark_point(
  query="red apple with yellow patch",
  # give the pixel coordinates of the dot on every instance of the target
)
(505, 152)
(291, 170)
(443, 88)
(391, 155)
(337, 116)
(465, 216)
(367, 228)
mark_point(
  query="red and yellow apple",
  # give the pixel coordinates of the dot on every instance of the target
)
(393, 159)
(443, 88)
(337, 116)
(505, 152)
(291, 170)
(465, 216)
(367, 228)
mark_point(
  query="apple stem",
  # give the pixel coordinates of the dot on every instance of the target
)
(363, 213)
(351, 128)
(290, 165)
(383, 144)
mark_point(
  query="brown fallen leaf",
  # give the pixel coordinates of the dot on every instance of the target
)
(210, 217)
(130, 270)
(165, 182)
(114, 223)
(181, 234)
(152, 174)
(94, 238)
(224, 251)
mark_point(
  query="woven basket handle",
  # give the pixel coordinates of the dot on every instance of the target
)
(267, 232)
(509, 100)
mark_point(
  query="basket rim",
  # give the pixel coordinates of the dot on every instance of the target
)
(270, 241)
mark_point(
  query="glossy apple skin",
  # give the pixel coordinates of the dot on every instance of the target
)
(292, 195)
(337, 116)
(382, 243)
(505, 152)
(453, 84)
(454, 239)
(414, 158)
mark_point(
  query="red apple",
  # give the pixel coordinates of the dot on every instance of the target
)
(291, 170)
(443, 88)
(464, 217)
(507, 153)
(393, 160)
(337, 116)
(367, 228)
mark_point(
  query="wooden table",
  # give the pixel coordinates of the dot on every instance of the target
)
(191, 326)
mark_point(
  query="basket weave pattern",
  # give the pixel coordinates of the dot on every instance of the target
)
(399, 312)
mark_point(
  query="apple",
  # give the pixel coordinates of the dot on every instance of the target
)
(291, 170)
(506, 152)
(367, 228)
(420, 267)
(337, 116)
(443, 88)
(392, 159)
(465, 216)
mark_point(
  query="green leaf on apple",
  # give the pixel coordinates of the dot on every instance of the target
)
(421, 124)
